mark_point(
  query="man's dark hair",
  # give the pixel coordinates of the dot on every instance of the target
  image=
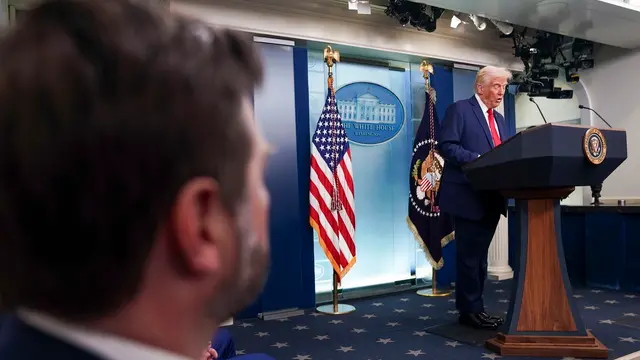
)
(107, 108)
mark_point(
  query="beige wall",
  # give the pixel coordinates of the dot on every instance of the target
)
(612, 87)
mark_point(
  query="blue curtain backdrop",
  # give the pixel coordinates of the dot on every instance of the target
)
(510, 110)
(282, 112)
(443, 82)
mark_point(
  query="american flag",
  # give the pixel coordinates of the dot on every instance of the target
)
(425, 183)
(332, 208)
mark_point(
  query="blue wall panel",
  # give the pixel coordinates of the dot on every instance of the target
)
(442, 82)
(278, 108)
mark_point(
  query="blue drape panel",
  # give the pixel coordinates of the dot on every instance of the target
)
(510, 112)
(282, 112)
(442, 81)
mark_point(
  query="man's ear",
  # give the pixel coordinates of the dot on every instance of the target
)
(199, 221)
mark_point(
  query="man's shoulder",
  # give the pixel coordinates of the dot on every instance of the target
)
(19, 341)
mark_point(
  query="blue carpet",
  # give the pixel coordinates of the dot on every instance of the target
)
(397, 327)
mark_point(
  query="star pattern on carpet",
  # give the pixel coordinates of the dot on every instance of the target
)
(629, 339)
(415, 352)
(302, 357)
(490, 356)
(404, 326)
(345, 348)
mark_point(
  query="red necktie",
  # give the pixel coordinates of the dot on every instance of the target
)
(492, 126)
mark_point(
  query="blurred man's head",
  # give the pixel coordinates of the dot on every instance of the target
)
(491, 84)
(130, 165)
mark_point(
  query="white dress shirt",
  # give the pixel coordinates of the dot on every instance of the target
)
(106, 346)
(485, 110)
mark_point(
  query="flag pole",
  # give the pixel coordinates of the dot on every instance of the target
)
(427, 69)
(330, 58)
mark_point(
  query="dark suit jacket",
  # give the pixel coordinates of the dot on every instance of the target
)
(19, 341)
(464, 136)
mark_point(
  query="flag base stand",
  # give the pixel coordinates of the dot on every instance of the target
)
(334, 308)
(341, 309)
(433, 292)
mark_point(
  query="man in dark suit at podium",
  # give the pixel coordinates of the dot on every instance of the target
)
(470, 128)
(133, 209)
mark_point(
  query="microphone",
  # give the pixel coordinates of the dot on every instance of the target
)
(540, 111)
(595, 112)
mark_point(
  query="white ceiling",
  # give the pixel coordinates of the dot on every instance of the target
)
(611, 22)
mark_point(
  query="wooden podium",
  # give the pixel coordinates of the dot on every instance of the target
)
(538, 167)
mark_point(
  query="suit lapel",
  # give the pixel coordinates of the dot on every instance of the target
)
(481, 119)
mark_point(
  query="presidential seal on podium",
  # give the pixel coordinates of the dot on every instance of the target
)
(594, 146)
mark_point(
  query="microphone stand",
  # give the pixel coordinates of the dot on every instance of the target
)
(539, 110)
(595, 194)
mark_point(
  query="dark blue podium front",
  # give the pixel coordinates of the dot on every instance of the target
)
(601, 246)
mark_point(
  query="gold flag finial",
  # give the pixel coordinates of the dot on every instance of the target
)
(331, 57)
(426, 68)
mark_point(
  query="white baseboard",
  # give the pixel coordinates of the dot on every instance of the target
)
(614, 201)
(632, 356)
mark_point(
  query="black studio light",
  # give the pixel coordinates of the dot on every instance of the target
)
(420, 16)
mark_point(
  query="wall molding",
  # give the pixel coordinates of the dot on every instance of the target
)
(630, 201)
(331, 22)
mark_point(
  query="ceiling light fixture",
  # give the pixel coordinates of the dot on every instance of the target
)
(504, 27)
(363, 7)
(455, 21)
(478, 21)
